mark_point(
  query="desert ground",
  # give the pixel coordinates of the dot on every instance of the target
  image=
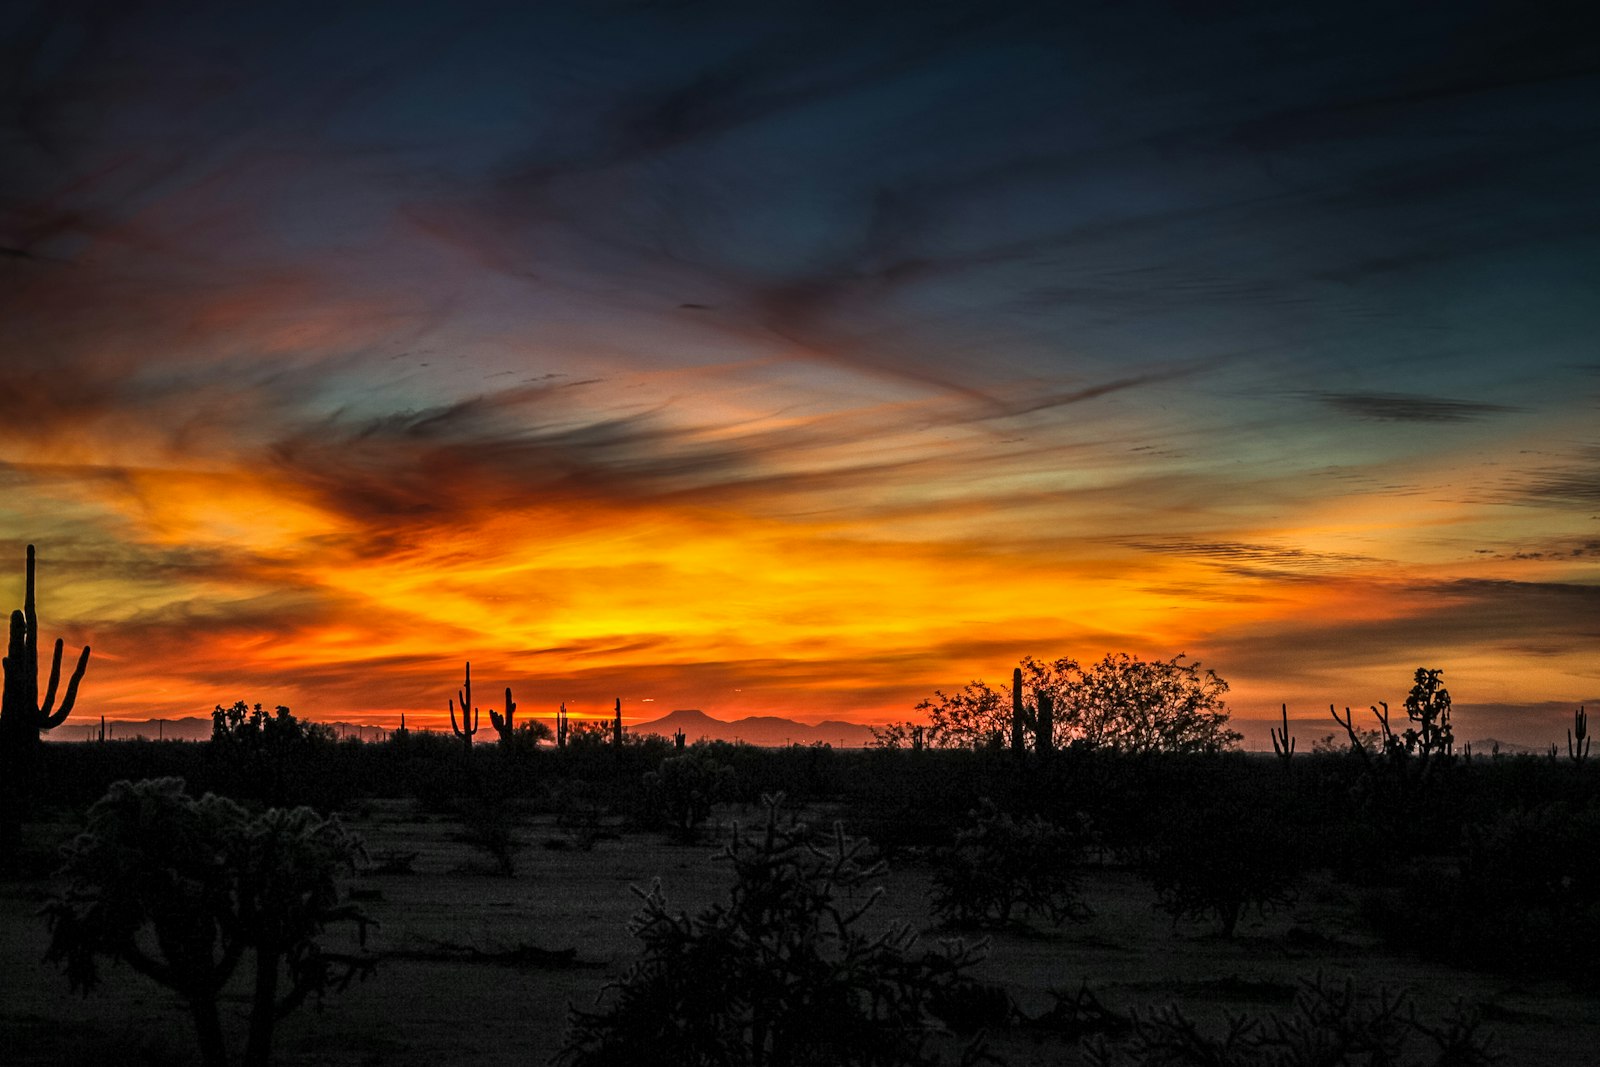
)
(460, 980)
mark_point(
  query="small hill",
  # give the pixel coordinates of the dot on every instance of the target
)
(766, 730)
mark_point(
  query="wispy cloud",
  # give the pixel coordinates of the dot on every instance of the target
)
(1410, 407)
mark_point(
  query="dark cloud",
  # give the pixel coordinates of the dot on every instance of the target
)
(1236, 553)
(1409, 407)
(1575, 484)
(1437, 620)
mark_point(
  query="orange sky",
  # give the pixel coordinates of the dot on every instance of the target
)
(886, 363)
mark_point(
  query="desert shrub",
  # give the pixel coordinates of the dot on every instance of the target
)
(580, 816)
(780, 973)
(1525, 898)
(1329, 1026)
(1220, 861)
(490, 825)
(680, 791)
(1000, 868)
(179, 889)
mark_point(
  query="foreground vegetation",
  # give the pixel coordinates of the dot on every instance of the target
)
(1482, 865)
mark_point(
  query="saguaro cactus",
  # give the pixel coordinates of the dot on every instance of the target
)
(22, 716)
(616, 725)
(1041, 721)
(1578, 737)
(504, 725)
(1282, 743)
(561, 726)
(1019, 726)
(469, 714)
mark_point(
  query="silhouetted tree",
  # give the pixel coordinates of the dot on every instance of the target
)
(973, 715)
(256, 751)
(1136, 705)
(1122, 703)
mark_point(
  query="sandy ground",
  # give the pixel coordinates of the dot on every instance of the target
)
(432, 1013)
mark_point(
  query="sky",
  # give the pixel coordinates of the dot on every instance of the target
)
(802, 359)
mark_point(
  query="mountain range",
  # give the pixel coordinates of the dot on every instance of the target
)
(764, 730)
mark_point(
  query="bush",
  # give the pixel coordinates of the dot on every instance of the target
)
(180, 888)
(680, 791)
(1328, 1027)
(1219, 863)
(1000, 868)
(779, 974)
(1525, 898)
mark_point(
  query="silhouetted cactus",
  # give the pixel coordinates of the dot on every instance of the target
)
(1578, 737)
(22, 716)
(180, 889)
(562, 726)
(678, 738)
(1282, 743)
(505, 725)
(1019, 717)
(1040, 721)
(778, 973)
(469, 714)
(616, 725)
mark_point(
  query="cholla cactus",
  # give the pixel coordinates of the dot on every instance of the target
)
(779, 972)
(180, 889)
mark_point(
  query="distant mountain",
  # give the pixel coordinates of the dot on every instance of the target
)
(766, 730)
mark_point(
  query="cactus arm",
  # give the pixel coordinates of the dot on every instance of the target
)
(30, 612)
(55, 680)
(1282, 743)
(71, 697)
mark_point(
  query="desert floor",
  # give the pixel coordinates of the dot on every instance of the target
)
(429, 1007)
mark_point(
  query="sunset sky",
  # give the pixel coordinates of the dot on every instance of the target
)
(801, 359)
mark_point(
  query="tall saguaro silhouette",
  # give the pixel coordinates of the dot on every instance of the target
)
(469, 714)
(22, 716)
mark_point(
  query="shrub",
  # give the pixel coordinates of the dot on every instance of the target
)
(1219, 863)
(1524, 899)
(779, 974)
(490, 824)
(1328, 1027)
(680, 791)
(1000, 868)
(179, 889)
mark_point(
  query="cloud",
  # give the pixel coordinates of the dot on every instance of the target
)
(1237, 553)
(1410, 407)
(1575, 484)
